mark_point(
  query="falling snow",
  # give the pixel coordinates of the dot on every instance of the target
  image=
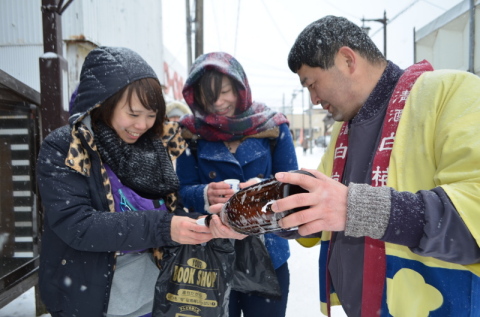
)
(303, 264)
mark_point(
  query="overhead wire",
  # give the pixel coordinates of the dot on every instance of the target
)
(397, 15)
(215, 18)
(435, 5)
(275, 24)
(178, 50)
(341, 10)
(236, 29)
(405, 9)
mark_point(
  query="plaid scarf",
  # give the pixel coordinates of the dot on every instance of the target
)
(251, 118)
(256, 119)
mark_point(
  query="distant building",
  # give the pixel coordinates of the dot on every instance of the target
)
(452, 41)
(136, 24)
(314, 125)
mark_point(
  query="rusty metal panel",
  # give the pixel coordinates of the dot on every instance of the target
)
(79, 21)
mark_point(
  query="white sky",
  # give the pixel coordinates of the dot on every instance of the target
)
(260, 33)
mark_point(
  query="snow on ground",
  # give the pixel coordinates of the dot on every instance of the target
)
(303, 263)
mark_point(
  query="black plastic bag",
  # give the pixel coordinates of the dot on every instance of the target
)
(253, 269)
(195, 280)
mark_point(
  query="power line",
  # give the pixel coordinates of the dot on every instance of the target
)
(396, 16)
(267, 65)
(408, 7)
(215, 18)
(236, 29)
(435, 5)
(275, 25)
(341, 10)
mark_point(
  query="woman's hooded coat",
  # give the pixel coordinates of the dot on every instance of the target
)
(81, 234)
(266, 148)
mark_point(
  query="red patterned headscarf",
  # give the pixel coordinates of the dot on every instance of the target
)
(250, 117)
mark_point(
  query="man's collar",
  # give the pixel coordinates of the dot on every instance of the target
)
(380, 95)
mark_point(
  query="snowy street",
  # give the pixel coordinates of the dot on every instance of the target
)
(303, 263)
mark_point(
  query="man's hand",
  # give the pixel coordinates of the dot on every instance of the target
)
(326, 203)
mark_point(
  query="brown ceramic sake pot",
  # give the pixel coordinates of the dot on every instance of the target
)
(249, 212)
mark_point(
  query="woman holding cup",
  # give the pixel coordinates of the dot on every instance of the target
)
(231, 137)
(234, 184)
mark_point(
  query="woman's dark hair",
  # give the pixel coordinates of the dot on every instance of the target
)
(318, 44)
(150, 94)
(209, 87)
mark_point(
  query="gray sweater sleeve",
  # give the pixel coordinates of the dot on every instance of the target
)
(426, 222)
(368, 210)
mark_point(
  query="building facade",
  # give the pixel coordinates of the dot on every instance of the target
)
(452, 41)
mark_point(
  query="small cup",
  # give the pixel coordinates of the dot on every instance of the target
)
(234, 184)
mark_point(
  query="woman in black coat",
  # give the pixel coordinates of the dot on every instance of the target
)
(109, 193)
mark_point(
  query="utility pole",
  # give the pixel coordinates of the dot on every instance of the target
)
(384, 22)
(471, 39)
(294, 94)
(198, 28)
(310, 114)
(189, 34)
(303, 114)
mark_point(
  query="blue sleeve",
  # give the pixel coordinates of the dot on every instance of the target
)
(284, 158)
(191, 187)
(429, 224)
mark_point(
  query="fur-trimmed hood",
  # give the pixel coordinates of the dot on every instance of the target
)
(177, 108)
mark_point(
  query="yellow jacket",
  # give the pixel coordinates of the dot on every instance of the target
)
(437, 144)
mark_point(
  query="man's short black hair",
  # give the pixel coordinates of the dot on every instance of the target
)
(320, 41)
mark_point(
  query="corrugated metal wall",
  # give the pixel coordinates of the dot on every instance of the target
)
(136, 24)
(21, 62)
(20, 22)
(19, 48)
